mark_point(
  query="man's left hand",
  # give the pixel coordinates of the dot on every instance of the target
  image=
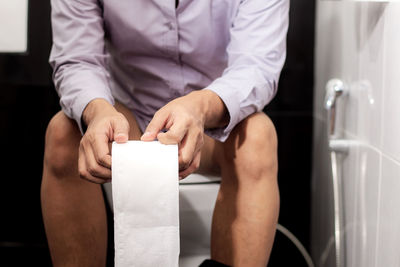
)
(184, 120)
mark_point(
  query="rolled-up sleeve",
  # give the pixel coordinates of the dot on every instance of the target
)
(78, 55)
(256, 54)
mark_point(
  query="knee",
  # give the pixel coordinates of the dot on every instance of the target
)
(251, 148)
(61, 146)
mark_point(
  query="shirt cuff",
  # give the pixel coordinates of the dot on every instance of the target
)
(232, 103)
(82, 100)
(85, 88)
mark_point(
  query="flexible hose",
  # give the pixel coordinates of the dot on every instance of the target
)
(297, 243)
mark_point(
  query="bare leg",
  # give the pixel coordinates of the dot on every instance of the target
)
(247, 206)
(73, 209)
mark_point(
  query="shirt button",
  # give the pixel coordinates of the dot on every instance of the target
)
(170, 25)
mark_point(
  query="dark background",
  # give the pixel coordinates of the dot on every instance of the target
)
(28, 101)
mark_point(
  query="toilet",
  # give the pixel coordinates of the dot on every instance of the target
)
(197, 195)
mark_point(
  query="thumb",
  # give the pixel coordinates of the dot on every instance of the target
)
(120, 127)
(155, 126)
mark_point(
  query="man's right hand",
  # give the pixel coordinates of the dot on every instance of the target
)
(105, 124)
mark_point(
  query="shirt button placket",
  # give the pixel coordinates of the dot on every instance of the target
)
(173, 51)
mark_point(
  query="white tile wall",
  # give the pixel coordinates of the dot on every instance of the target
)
(389, 215)
(328, 61)
(322, 237)
(363, 42)
(366, 217)
(361, 169)
(391, 107)
(370, 82)
(329, 65)
(349, 71)
(350, 190)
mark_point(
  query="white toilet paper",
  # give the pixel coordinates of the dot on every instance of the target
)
(146, 209)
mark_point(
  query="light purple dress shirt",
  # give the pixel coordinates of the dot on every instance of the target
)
(144, 53)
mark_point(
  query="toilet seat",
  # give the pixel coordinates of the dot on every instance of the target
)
(196, 178)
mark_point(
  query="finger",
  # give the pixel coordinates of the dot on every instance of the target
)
(101, 151)
(155, 126)
(190, 146)
(95, 169)
(192, 168)
(120, 127)
(175, 134)
(83, 173)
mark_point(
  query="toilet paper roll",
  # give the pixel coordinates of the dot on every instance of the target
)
(146, 204)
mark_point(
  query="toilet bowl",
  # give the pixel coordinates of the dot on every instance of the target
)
(197, 195)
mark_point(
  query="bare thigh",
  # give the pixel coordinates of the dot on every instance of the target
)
(210, 153)
(134, 133)
(215, 153)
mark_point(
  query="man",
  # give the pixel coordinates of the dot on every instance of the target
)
(196, 74)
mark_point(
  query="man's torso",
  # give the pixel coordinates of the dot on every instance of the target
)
(160, 52)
